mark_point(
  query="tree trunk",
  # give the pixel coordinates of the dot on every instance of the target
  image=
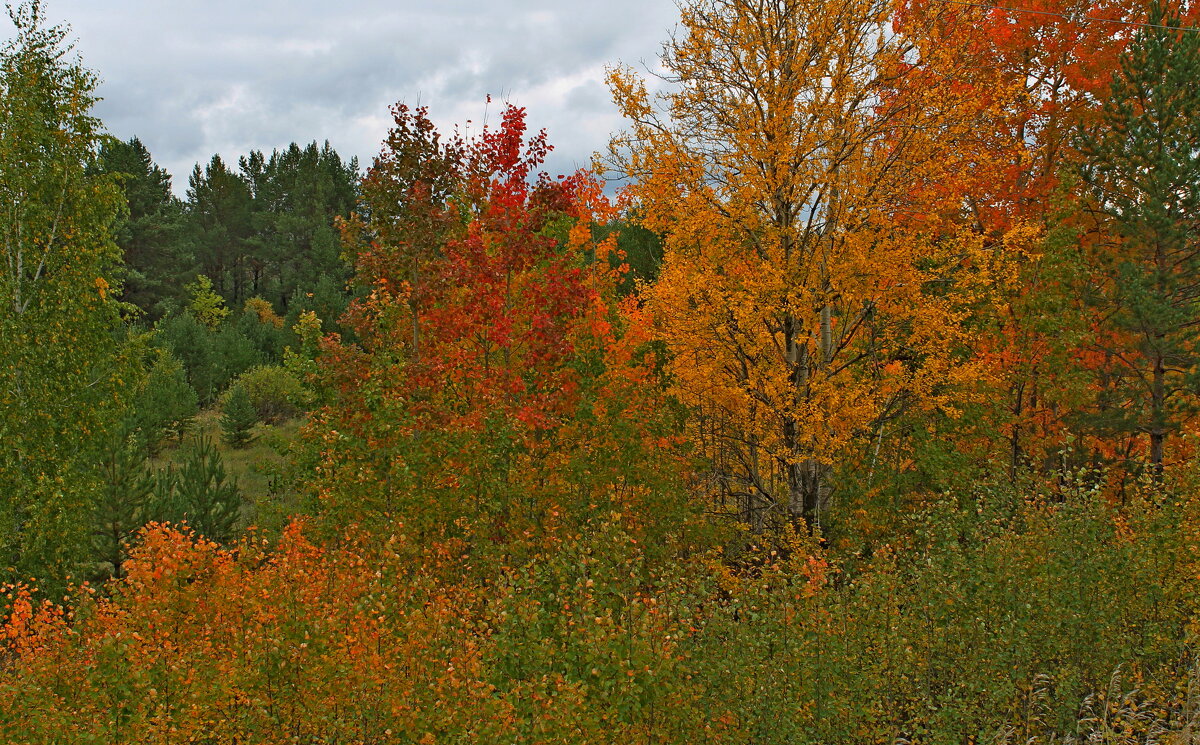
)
(1158, 428)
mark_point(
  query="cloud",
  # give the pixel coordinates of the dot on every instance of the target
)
(226, 77)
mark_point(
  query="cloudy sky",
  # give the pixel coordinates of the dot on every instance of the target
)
(193, 79)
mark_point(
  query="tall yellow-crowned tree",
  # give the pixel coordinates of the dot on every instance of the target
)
(806, 163)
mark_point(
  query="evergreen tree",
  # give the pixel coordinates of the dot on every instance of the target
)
(298, 193)
(201, 494)
(238, 416)
(1142, 165)
(191, 343)
(218, 218)
(125, 504)
(166, 404)
(149, 234)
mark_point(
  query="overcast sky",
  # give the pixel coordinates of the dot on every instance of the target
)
(193, 79)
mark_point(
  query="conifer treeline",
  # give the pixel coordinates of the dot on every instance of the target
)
(262, 229)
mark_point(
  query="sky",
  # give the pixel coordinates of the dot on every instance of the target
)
(193, 79)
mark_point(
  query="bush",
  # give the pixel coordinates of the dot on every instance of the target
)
(275, 393)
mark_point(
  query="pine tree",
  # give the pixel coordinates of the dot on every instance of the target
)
(218, 216)
(125, 504)
(1142, 164)
(238, 416)
(201, 494)
(149, 234)
(166, 405)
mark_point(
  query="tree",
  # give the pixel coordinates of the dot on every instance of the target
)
(298, 193)
(237, 417)
(1142, 168)
(515, 393)
(126, 503)
(165, 406)
(218, 216)
(804, 167)
(149, 234)
(407, 201)
(63, 374)
(199, 493)
(204, 304)
(1058, 57)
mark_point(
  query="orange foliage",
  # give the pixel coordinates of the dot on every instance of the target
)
(810, 174)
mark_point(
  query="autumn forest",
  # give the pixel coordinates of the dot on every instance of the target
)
(852, 396)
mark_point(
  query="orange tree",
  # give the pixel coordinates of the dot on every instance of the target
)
(1046, 346)
(807, 165)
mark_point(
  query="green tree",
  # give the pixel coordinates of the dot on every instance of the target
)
(210, 358)
(149, 234)
(238, 416)
(298, 192)
(63, 372)
(218, 220)
(166, 404)
(205, 305)
(126, 502)
(1142, 164)
(201, 494)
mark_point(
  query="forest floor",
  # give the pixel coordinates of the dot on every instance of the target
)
(253, 467)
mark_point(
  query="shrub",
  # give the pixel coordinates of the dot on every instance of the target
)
(275, 393)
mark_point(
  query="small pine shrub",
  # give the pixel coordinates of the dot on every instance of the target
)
(238, 416)
(201, 494)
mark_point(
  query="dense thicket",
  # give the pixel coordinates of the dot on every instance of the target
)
(869, 416)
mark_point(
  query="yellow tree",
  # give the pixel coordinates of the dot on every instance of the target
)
(806, 164)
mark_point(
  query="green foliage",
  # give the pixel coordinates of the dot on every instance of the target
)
(210, 358)
(205, 305)
(327, 298)
(265, 329)
(640, 250)
(238, 416)
(301, 360)
(1142, 166)
(275, 393)
(128, 500)
(298, 192)
(218, 212)
(199, 493)
(150, 236)
(63, 374)
(166, 405)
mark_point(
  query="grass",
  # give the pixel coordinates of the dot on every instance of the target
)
(252, 466)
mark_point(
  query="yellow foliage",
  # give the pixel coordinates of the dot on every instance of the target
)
(806, 168)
